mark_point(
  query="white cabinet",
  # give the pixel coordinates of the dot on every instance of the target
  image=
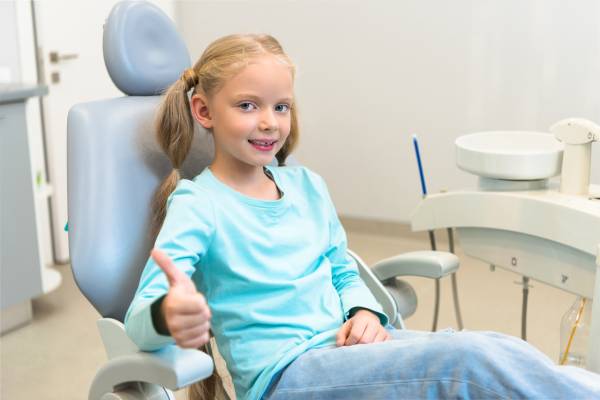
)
(25, 252)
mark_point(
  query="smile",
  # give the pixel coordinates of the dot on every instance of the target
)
(263, 145)
(263, 142)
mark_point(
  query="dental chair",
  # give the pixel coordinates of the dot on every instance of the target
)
(114, 167)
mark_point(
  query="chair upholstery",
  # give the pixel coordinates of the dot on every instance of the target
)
(115, 165)
(114, 161)
(143, 51)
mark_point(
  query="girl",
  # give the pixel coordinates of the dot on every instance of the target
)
(258, 254)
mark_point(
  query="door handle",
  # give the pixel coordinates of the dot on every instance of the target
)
(55, 57)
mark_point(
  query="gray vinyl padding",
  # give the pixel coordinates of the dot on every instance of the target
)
(114, 168)
(143, 52)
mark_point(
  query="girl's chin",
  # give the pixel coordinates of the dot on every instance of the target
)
(263, 157)
(260, 161)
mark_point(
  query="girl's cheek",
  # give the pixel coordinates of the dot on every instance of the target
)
(243, 125)
(285, 123)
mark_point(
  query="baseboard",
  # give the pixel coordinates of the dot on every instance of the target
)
(15, 316)
(381, 227)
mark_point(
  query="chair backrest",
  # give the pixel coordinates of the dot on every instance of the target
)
(114, 162)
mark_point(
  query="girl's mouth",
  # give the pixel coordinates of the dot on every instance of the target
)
(263, 145)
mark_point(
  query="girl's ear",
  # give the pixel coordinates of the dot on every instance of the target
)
(200, 111)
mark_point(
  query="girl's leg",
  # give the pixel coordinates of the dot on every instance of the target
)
(444, 364)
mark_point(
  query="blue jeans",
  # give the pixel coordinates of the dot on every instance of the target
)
(425, 365)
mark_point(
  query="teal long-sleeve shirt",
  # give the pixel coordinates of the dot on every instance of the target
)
(276, 274)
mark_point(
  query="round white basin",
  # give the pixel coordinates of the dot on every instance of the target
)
(511, 155)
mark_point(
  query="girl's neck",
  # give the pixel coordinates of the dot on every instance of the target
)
(247, 179)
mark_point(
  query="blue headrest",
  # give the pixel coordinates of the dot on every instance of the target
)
(143, 52)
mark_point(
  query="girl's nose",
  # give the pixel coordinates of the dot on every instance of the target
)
(268, 122)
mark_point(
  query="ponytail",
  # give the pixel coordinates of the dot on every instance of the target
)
(174, 133)
(211, 388)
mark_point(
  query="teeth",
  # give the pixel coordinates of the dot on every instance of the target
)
(261, 143)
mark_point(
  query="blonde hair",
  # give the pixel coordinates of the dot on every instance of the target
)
(221, 60)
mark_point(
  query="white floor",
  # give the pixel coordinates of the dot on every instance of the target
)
(57, 355)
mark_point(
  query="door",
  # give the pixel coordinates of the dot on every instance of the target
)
(69, 35)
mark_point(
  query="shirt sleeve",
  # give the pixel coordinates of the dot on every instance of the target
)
(185, 236)
(352, 290)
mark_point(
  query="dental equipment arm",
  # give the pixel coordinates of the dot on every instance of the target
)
(577, 135)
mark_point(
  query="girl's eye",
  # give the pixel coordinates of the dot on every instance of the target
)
(282, 108)
(247, 106)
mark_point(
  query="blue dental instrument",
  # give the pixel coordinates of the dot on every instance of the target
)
(420, 165)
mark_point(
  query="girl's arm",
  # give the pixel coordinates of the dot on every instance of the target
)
(353, 292)
(184, 237)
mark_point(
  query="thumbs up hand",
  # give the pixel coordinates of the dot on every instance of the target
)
(184, 309)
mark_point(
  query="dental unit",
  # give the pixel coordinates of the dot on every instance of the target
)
(519, 220)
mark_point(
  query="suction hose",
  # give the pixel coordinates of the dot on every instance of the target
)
(433, 244)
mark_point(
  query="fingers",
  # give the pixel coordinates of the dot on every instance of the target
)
(182, 322)
(185, 303)
(369, 334)
(382, 336)
(193, 338)
(342, 334)
(356, 333)
(192, 333)
(182, 311)
(174, 275)
(188, 321)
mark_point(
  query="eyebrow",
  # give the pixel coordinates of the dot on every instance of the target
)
(248, 96)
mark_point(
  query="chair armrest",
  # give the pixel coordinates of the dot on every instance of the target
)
(382, 295)
(171, 367)
(429, 264)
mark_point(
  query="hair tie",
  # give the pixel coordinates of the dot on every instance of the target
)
(190, 78)
(177, 172)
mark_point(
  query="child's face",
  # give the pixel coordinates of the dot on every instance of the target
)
(250, 115)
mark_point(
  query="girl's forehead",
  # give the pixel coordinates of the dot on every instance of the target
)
(266, 73)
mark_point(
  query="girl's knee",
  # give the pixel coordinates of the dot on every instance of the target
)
(468, 348)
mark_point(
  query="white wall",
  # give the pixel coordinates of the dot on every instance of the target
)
(372, 73)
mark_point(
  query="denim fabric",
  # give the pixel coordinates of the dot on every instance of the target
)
(425, 365)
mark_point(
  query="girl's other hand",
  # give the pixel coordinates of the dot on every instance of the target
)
(364, 327)
(184, 309)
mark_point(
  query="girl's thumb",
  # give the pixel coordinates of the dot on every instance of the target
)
(174, 275)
